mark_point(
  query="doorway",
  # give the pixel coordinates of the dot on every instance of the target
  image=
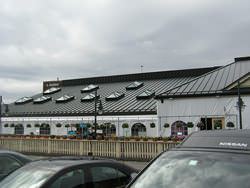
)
(207, 122)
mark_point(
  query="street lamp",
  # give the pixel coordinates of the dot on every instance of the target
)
(240, 105)
(98, 110)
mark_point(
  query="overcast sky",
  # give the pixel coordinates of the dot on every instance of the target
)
(45, 39)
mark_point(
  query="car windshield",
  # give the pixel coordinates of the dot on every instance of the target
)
(27, 177)
(184, 169)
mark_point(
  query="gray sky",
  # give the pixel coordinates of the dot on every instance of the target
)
(45, 39)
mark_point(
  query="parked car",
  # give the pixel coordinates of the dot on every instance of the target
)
(70, 172)
(207, 159)
(10, 161)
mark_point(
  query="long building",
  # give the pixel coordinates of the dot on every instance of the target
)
(144, 104)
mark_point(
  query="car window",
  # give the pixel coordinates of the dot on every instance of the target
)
(182, 169)
(104, 177)
(7, 165)
(71, 179)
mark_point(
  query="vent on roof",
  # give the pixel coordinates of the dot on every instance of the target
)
(51, 90)
(115, 96)
(89, 97)
(146, 94)
(89, 88)
(246, 58)
(134, 85)
(23, 100)
(42, 99)
(65, 98)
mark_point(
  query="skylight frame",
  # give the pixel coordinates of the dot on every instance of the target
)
(23, 100)
(134, 85)
(89, 88)
(65, 98)
(42, 99)
(89, 97)
(115, 96)
(147, 94)
(52, 90)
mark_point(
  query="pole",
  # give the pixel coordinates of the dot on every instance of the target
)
(0, 114)
(239, 105)
(95, 122)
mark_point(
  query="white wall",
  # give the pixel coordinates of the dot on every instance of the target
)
(192, 109)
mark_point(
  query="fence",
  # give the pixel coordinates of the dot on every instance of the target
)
(127, 150)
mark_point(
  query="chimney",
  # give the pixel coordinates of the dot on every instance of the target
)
(246, 58)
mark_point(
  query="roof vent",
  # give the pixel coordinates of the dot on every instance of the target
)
(246, 58)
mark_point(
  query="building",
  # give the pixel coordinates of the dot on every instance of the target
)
(127, 101)
(210, 101)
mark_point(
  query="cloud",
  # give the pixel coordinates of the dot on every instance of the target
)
(43, 39)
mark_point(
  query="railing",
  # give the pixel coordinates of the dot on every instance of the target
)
(127, 150)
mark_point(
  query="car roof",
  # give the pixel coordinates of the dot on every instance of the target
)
(233, 140)
(59, 163)
(17, 155)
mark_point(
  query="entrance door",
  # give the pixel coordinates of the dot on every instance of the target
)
(207, 124)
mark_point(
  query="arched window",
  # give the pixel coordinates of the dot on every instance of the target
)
(138, 129)
(179, 128)
(19, 129)
(44, 129)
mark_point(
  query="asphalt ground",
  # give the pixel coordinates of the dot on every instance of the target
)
(135, 164)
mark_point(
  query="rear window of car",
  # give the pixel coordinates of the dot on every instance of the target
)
(184, 169)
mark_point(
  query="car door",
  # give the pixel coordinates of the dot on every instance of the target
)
(7, 165)
(107, 176)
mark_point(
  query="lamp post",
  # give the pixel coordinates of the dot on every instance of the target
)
(98, 110)
(0, 114)
(240, 105)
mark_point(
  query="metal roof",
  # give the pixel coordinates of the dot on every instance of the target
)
(215, 82)
(127, 105)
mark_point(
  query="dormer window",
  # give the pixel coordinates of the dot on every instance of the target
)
(134, 85)
(51, 90)
(24, 100)
(89, 97)
(115, 96)
(89, 88)
(65, 98)
(146, 94)
(42, 99)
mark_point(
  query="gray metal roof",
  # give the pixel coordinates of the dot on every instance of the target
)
(127, 105)
(212, 83)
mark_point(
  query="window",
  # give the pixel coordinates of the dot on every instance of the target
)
(7, 165)
(134, 85)
(89, 97)
(146, 94)
(179, 128)
(65, 98)
(23, 100)
(51, 90)
(104, 177)
(19, 129)
(44, 129)
(73, 178)
(115, 96)
(89, 88)
(42, 99)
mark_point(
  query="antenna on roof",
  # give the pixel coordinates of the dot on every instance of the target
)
(57, 78)
(141, 68)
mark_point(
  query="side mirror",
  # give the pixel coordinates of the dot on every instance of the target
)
(133, 175)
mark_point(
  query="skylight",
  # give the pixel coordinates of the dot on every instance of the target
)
(23, 100)
(146, 94)
(134, 85)
(42, 99)
(115, 96)
(90, 88)
(51, 90)
(65, 98)
(89, 97)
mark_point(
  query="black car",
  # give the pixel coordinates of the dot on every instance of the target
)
(10, 161)
(70, 172)
(206, 159)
